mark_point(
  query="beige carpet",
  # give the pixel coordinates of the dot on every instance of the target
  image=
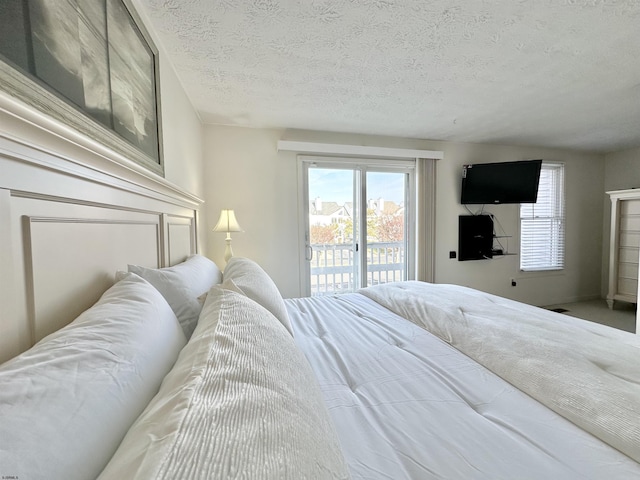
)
(623, 316)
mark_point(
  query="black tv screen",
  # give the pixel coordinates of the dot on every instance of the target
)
(503, 182)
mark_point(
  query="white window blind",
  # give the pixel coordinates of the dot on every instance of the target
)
(542, 223)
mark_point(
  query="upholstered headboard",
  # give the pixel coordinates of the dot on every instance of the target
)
(70, 217)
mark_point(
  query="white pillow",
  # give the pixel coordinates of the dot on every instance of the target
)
(66, 403)
(241, 402)
(256, 284)
(182, 284)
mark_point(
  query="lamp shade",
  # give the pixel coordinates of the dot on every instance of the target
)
(227, 222)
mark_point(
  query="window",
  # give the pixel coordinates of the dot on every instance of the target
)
(542, 223)
(357, 227)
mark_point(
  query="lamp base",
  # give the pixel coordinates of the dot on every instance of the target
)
(228, 252)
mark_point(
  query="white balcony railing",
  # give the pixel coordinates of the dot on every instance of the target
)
(333, 268)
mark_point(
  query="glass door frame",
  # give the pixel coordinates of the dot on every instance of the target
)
(361, 165)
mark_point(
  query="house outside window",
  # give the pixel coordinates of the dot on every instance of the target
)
(542, 224)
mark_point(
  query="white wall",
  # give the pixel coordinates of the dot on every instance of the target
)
(622, 171)
(583, 193)
(244, 171)
(182, 135)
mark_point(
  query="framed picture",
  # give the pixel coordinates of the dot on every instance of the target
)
(90, 64)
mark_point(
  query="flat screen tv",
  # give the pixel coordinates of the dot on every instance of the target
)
(502, 182)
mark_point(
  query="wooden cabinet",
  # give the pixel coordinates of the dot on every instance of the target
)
(624, 248)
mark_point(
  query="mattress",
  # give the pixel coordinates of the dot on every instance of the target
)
(408, 405)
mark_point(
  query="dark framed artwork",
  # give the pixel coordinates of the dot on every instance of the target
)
(90, 64)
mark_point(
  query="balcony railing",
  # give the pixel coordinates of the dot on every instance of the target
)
(333, 269)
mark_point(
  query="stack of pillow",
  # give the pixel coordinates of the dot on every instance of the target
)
(239, 400)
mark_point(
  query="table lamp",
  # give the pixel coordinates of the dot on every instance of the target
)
(227, 223)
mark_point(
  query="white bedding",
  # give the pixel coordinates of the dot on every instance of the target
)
(66, 403)
(408, 405)
(588, 373)
(410, 399)
(241, 402)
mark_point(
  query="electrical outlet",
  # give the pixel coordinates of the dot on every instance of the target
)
(452, 254)
(513, 282)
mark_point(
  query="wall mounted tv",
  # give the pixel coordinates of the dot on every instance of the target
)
(502, 182)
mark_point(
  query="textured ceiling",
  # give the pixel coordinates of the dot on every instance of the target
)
(558, 73)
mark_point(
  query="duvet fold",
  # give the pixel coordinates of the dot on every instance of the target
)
(586, 372)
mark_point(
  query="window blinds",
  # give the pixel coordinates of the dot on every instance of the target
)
(542, 223)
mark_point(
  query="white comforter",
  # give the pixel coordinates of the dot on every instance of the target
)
(587, 373)
(407, 405)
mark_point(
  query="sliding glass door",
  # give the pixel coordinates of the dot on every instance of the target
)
(357, 231)
(386, 236)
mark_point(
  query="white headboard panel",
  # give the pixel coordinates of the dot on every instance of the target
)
(179, 233)
(69, 262)
(68, 222)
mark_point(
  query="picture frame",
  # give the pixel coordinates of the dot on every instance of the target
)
(90, 64)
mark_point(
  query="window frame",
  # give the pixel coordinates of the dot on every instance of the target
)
(555, 220)
(362, 165)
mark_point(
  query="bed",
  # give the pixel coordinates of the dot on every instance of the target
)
(188, 372)
(432, 388)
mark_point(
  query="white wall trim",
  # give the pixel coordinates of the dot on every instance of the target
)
(30, 137)
(632, 193)
(357, 150)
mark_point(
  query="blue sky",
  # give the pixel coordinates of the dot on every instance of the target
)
(336, 185)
